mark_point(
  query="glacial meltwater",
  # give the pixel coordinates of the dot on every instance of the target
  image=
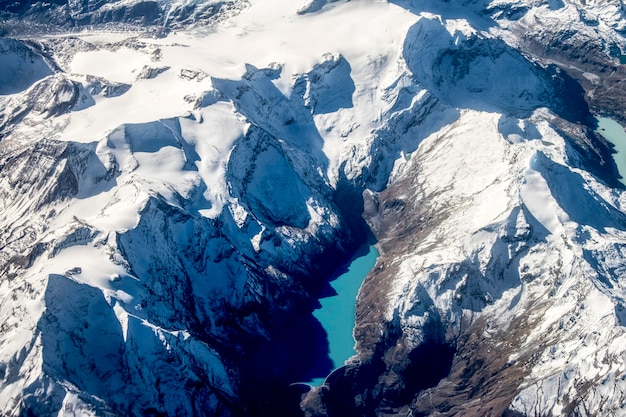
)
(614, 133)
(337, 312)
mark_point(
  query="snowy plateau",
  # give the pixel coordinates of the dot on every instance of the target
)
(180, 180)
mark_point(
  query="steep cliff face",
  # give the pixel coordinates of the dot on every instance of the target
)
(61, 15)
(490, 280)
(148, 271)
(172, 207)
(492, 277)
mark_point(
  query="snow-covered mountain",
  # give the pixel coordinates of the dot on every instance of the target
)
(44, 17)
(180, 179)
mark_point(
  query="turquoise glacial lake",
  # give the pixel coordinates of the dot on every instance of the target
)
(337, 312)
(614, 133)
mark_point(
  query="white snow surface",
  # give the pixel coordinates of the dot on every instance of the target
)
(195, 153)
(513, 210)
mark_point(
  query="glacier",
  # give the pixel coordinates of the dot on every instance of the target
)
(181, 179)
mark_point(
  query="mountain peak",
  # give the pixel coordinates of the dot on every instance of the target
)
(181, 181)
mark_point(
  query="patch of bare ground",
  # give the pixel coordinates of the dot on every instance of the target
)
(483, 379)
(603, 78)
(400, 222)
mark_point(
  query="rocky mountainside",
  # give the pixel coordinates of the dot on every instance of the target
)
(67, 15)
(180, 180)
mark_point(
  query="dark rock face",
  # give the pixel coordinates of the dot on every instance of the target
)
(451, 74)
(577, 55)
(20, 66)
(380, 387)
(65, 14)
(78, 13)
(262, 177)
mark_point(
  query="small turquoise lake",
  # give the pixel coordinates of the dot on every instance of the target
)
(614, 133)
(337, 312)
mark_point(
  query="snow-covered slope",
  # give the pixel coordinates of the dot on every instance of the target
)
(172, 207)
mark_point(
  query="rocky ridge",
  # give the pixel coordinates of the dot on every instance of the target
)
(155, 16)
(492, 279)
(195, 215)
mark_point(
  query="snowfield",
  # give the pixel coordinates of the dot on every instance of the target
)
(172, 207)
